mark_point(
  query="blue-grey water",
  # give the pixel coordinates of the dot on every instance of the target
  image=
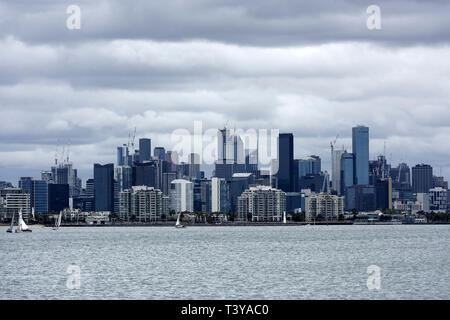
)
(286, 262)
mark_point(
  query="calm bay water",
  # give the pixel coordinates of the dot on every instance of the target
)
(301, 262)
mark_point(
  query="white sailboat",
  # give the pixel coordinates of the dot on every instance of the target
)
(10, 229)
(32, 214)
(284, 217)
(58, 221)
(178, 224)
(21, 225)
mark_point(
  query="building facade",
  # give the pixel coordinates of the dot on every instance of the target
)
(360, 150)
(142, 204)
(181, 196)
(11, 201)
(261, 204)
(323, 206)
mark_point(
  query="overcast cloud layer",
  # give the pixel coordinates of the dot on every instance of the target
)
(297, 66)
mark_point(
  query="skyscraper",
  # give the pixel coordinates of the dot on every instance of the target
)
(360, 149)
(285, 173)
(422, 178)
(220, 195)
(147, 174)
(336, 161)
(58, 197)
(309, 165)
(159, 153)
(38, 193)
(104, 187)
(194, 165)
(145, 149)
(347, 177)
(181, 196)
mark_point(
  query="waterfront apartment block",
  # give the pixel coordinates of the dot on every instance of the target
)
(324, 206)
(11, 201)
(261, 204)
(143, 204)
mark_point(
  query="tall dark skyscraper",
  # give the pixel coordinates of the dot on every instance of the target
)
(422, 178)
(145, 149)
(104, 187)
(58, 197)
(360, 150)
(159, 153)
(147, 174)
(347, 176)
(285, 173)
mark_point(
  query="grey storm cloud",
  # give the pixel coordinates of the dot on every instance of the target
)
(308, 67)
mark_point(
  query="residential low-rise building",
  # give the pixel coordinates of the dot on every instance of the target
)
(261, 204)
(11, 201)
(324, 206)
(143, 204)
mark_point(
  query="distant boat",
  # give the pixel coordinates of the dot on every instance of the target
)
(32, 214)
(58, 221)
(21, 225)
(178, 224)
(284, 217)
(10, 229)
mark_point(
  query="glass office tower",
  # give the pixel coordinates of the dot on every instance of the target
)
(286, 162)
(104, 187)
(360, 150)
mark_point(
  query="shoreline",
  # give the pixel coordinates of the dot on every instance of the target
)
(239, 224)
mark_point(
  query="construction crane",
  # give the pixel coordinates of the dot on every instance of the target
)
(68, 151)
(333, 143)
(131, 139)
(56, 152)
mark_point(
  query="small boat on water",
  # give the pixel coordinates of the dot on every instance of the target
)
(178, 223)
(58, 221)
(10, 229)
(284, 217)
(21, 225)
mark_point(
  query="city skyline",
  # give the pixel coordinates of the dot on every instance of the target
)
(86, 173)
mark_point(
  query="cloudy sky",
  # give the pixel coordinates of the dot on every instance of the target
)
(308, 67)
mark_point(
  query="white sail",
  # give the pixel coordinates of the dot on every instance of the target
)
(178, 221)
(59, 219)
(21, 225)
(284, 217)
(32, 213)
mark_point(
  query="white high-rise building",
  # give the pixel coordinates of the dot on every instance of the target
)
(424, 200)
(181, 196)
(220, 197)
(230, 148)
